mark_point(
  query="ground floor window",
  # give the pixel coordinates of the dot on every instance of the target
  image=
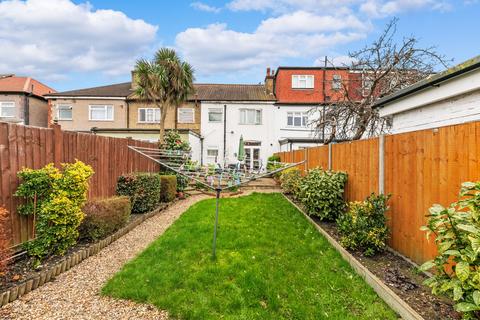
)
(101, 112)
(64, 112)
(212, 152)
(7, 109)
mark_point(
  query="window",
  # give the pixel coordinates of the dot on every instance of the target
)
(100, 113)
(212, 152)
(186, 115)
(250, 116)
(337, 82)
(297, 119)
(302, 81)
(7, 109)
(215, 115)
(64, 112)
(149, 115)
(367, 83)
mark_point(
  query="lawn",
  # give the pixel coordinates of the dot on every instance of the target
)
(271, 264)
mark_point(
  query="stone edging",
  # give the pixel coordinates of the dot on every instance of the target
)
(71, 260)
(387, 295)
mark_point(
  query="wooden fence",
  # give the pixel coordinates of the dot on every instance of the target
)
(32, 147)
(418, 168)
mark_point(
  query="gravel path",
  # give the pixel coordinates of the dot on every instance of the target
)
(75, 293)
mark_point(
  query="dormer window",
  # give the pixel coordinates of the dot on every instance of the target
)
(302, 81)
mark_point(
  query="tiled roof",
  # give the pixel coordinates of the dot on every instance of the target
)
(203, 92)
(113, 90)
(24, 85)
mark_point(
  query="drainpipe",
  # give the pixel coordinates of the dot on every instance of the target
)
(128, 114)
(201, 150)
(224, 132)
(26, 109)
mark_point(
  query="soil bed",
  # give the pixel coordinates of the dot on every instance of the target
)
(21, 268)
(401, 276)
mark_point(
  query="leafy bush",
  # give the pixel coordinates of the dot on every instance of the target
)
(168, 188)
(58, 209)
(5, 238)
(457, 236)
(363, 226)
(104, 217)
(182, 182)
(173, 141)
(290, 181)
(143, 190)
(321, 192)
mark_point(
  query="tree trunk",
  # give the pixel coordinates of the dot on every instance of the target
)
(163, 116)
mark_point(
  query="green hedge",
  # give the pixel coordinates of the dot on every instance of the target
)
(143, 190)
(321, 192)
(364, 225)
(168, 189)
(104, 217)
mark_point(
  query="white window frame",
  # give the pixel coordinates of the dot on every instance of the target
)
(105, 108)
(336, 82)
(244, 116)
(10, 104)
(303, 115)
(154, 110)
(58, 112)
(212, 148)
(215, 110)
(192, 110)
(303, 81)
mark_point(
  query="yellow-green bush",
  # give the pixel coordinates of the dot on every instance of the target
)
(57, 211)
(168, 189)
(290, 181)
(363, 226)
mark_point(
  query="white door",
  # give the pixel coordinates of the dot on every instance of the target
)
(252, 158)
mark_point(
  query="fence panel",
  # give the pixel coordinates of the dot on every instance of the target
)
(24, 146)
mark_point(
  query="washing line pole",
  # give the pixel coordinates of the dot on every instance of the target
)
(214, 253)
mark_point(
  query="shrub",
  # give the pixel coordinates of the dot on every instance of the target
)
(56, 202)
(457, 236)
(173, 141)
(290, 181)
(104, 217)
(321, 192)
(363, 226)
(143, 190)
(168, 188)
(5, 238)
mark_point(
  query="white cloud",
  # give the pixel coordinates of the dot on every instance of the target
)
(379, 8)
(217, 48)
(204, 7)
(49, 38)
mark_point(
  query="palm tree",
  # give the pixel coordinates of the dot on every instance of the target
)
(166, 81)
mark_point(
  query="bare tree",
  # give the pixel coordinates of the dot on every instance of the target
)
(377, 70)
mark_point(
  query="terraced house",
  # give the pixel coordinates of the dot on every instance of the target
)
(274, 116)
(22, 100)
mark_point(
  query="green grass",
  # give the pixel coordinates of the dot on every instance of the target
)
(271, 264)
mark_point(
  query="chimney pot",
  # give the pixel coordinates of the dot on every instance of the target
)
(268, 71)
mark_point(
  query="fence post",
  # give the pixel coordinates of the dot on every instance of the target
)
(305, 164)
(329, 156)
(381, 164)
(57, 144)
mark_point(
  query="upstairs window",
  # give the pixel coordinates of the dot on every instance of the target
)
(250, 116)
(215, 115)
(337, 82)
(302, 81)
(186, 115)
(297, 119)
(7, 109)
(100, 112)
(149, 115)
(64, 112)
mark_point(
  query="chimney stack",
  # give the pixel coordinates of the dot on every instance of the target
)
(134, 85)
(269, 80)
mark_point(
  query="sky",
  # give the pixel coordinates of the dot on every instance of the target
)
(77, 44)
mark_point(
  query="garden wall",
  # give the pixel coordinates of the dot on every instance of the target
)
(33, 147)
(418, 168)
